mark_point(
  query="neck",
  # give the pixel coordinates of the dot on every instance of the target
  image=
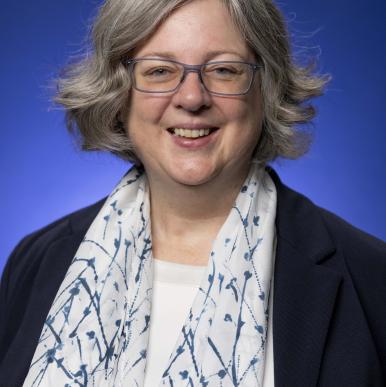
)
(172, 201)
(190, 216)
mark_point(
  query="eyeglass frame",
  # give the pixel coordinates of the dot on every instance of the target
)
(191, 69)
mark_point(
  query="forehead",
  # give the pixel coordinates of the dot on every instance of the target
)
(197, 31)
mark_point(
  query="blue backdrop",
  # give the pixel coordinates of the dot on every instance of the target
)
(44, 176)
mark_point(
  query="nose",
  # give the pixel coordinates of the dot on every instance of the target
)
(191, 94)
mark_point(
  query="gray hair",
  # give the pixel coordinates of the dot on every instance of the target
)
(95, 90)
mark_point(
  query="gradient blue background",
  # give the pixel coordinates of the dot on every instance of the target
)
(44, 176)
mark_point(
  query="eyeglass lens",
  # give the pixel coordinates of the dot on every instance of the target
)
(162, 76)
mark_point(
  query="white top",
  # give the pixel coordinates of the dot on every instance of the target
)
(174, 288)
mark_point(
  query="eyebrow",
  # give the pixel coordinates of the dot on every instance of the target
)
(171, 55)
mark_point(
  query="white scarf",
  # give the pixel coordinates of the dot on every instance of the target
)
(97, 330)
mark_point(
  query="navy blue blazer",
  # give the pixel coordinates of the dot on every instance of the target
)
(329, 306)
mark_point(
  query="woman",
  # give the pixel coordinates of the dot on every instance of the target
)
(262, 287)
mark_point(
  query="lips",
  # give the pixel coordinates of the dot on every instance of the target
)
(191, 133)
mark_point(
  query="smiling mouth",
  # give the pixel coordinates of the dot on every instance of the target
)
(191, 133)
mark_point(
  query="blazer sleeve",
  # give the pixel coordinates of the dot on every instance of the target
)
(18, 279)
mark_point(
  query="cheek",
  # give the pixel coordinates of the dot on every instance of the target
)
(145, 111)
(143, 122)
(245, 115)
(245, 119)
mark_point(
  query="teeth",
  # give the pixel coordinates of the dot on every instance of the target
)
(190, 133)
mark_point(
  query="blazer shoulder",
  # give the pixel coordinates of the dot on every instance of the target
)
(32, 245)
(361, 247)
(365, 259)
(25, 260)
(313, 221)
(45, 255)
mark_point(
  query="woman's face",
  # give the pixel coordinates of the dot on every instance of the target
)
(198, 32)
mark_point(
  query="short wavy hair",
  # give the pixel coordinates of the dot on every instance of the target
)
(94, 91)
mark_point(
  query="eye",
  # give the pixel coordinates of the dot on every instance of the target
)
(156, 72)
(223, 70)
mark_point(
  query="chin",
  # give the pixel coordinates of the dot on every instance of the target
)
(196, 176)
(192, 180)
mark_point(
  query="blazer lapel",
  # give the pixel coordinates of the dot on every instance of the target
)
(304, 290)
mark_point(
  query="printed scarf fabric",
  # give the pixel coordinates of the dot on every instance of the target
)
(96, 332)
